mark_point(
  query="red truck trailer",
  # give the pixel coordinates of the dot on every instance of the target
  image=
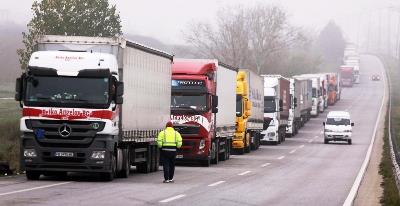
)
(203, 108)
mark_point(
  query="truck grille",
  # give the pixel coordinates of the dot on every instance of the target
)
(187, 129)
(49, 132)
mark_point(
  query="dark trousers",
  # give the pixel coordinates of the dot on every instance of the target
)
(168, 160)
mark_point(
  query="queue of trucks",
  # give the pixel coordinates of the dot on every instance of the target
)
(350, 69)
(96, 105)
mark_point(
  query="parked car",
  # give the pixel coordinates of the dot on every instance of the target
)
(375, 77)
(338, 127)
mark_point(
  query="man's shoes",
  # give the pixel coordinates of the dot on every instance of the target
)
(171, 181)
(166, 181)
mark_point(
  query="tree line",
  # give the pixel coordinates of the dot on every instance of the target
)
(259, 37)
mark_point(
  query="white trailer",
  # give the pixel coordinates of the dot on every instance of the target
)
(106, 138)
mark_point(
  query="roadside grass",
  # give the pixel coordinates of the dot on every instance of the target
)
(390, 191)
(10, 113)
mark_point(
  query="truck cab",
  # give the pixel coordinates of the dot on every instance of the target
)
(70, 101)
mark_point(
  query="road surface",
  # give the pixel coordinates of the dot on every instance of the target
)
(301, 171)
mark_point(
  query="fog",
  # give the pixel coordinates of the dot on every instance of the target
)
(165, 20)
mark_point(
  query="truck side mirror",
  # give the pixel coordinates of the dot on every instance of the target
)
(214, 110)
(18, 89)
(352, 124)
(119, 89)
(248, 105)
(119, 100)
(323, 123)
(214, 100)
(295, 102)
(280, 105)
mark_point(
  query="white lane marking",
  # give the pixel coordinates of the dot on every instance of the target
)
(244, 173)
(172, 198)
(311, 140)
(301, 146)
(293, 151)
(281, 157)
(357, 182)
(34, 188)
(216, 183)
(266, 164)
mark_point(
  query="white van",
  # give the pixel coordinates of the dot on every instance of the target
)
(338, 127)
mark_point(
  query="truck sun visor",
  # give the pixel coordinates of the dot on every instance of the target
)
(42, 71)
(94, 73)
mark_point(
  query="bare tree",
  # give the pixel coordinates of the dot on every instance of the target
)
(227, 41)
(246, 37)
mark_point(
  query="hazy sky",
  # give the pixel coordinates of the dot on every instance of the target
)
(166, 19)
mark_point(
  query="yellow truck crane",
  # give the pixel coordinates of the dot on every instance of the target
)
(249, 112)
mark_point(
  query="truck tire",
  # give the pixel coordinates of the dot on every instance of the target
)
(215, 151)
(33, 175)
(109, 176)
(145, 167)
(228, 147)
(349, 141)
(126, 164)
(223, 156)
(326, 141)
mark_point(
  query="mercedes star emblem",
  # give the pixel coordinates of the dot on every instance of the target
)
(64, 130)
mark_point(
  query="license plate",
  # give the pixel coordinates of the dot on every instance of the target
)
(64, 154)
(179, 156)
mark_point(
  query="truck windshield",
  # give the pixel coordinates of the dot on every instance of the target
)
(189, 102)
(337, 121)
(67, 92)
(269, 105)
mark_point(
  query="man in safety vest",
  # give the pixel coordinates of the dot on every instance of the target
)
(169, 140)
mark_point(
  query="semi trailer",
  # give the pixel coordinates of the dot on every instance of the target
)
(346, 76)
(79, 116)
(203, 109)
(316, 94)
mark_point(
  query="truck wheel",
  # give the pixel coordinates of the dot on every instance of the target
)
(223, 156)
(32, 175)
(206, 163)
(145, 167)
(228, 147)
(126, 165)
(109, 176)
(349, 141)
(215, 145)
(157, 159)
(326, 141)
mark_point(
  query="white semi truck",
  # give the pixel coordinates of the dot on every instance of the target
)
(316, 94)
(79, 116)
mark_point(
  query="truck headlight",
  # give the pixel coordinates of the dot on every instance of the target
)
(98, 154)
(271, 134)
(30, 153)
(202, 144)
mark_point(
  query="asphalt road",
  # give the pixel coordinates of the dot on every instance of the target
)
(301, 171)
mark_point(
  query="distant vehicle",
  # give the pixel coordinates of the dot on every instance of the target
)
(346, 76)
(338, 127)
(375, 77)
